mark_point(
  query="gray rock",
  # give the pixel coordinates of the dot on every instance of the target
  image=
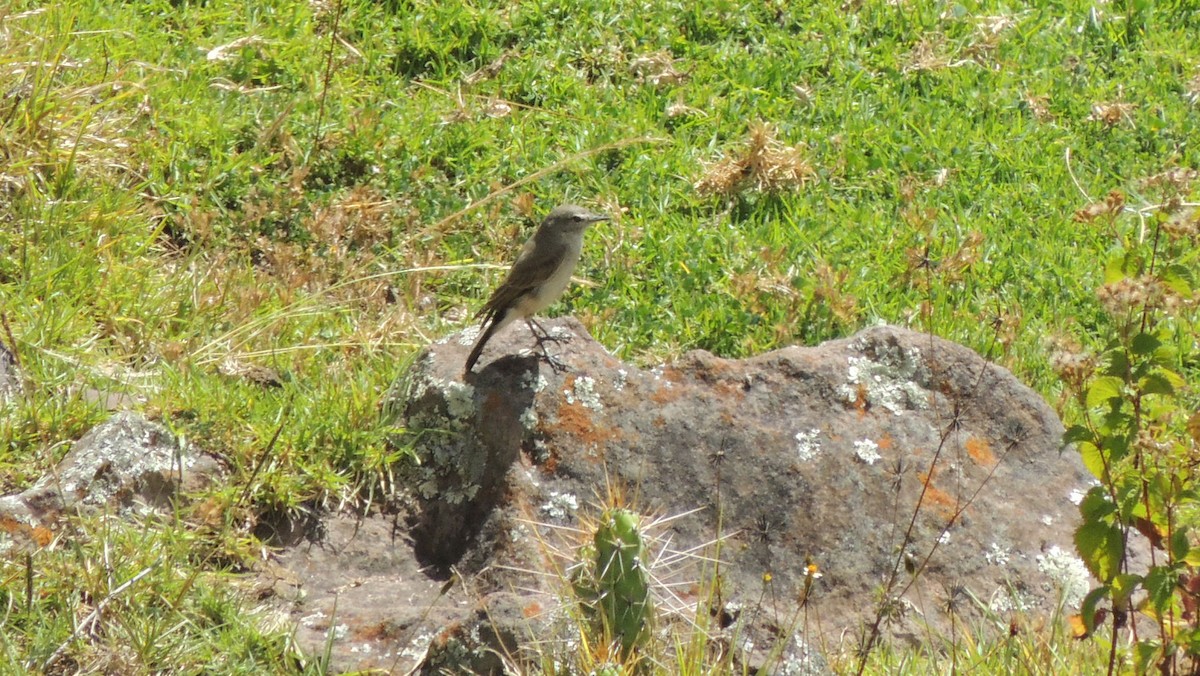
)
(927, 485)
(123, 462)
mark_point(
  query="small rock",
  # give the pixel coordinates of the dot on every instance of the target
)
(10, 376)
(125, 461)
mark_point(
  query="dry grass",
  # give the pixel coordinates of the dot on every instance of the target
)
(764, 164)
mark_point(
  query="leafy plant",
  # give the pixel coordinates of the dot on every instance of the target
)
(1137, 431)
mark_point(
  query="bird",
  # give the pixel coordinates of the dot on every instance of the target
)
(538, 277)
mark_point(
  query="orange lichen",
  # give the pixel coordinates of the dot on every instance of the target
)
(448, 633)
(729, 390)
(942, 502)
(665, 395)
(860, 400)
(551, 464)
(980, 451)
(39, 535)
(576, 420)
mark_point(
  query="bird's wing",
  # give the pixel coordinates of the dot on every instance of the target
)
(532, 268)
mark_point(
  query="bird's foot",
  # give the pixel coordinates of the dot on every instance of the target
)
(541, 335)
(556, 363)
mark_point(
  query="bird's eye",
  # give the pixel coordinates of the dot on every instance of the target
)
(577, 217)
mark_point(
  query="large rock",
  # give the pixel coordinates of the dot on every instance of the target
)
(923, 481)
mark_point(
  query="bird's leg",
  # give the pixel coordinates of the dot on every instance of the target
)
(541, 335)
(556, 364)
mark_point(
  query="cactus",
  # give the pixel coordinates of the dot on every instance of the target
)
(621, 583)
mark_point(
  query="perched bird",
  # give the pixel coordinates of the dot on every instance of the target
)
(538, 277)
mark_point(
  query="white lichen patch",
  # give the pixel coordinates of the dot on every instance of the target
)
(807, 445)
(800, 660)
(584, 391)
(1047, 520)
(944, 538)
(468, 335)
(460, 401)
(1068, 571)
(1076, 496)
(519, 533)
(1007, 600)
(432, 488)
(418, 648)
(867, 451)
(313, 619)
(529, 419)
(621, 379)
(541, 451)
(534, 380)
(447, 470)
(560, 505)
(997, 555)
(890, 380)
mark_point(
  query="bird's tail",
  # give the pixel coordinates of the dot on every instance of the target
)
(478, 349)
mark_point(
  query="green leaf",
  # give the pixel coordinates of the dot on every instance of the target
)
(1096, 505)
(1103, 390)
(1117, 361)
(1087, 610)
(1077, 433)
(1114, 428)
(1160, 586)
(1179, 543)
(1129, 498)
(1192, 558)
(1115, 268)
(1180, 279)
(1177, 381)
(1145, 654)
(1093, 460)
(1101, 547)
(1190, 639)
(1156, 383)
(1145, 343)
(1122, 587)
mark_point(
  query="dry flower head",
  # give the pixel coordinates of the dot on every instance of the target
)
(1071, 362)
(657, 68)
(1112, 114)
(1110, 206)
(1040, 107)
(1184, 225)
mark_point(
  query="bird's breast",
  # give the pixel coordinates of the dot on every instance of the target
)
(549, 291)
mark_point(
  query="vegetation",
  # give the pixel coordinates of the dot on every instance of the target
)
(242, 218)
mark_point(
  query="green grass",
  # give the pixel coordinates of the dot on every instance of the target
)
(301, 203)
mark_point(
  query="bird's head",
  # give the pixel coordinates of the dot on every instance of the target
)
(571, 218)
